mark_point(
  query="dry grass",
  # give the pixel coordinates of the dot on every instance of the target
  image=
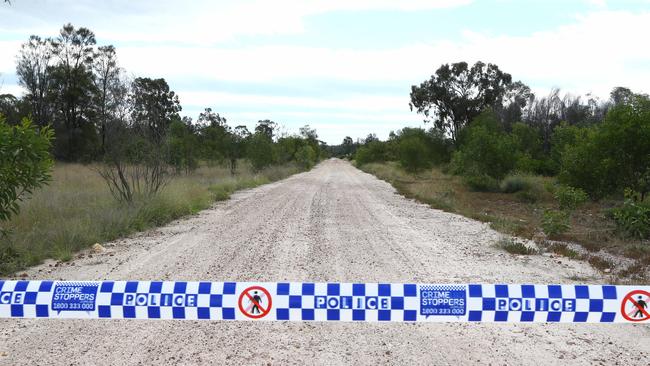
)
(77, 210)
(510, 213)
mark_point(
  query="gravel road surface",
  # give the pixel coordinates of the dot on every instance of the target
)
(334, 223)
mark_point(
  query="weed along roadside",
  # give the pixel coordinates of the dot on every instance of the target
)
(586, 232)
(77, 210)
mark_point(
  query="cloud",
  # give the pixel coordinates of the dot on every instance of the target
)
(205, 22)
(599, 51)
(595, 52)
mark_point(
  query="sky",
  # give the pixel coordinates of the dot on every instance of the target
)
(345, 67)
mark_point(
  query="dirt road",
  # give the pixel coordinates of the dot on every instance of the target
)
(333, 223)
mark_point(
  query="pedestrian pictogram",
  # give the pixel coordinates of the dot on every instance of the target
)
(635, 306)
(255, 302)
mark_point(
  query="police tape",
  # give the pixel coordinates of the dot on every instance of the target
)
(291, 301)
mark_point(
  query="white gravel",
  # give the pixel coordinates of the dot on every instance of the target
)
(333, 223)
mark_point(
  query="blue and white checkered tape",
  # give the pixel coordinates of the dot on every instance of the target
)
(292, 301)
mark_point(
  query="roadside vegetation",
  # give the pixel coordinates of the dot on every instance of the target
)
(124, 159)
(77, 209)
(545, 168)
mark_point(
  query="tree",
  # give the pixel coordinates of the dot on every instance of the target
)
(73, 90)
(266, 127)
(456, 94)
(370, 138)
(621, 95)
(214, 135)
(515, 100)
(308, 133)
(486, 150)
(34, 68)
(25, 163)
(154, 106)
(613, 155)
(374, 151)
(306, 157)
(109, 86)
(260, 151)
(209, 118)
(134, 166)
(413, 153)
(13, 109)
(182, 146)
(236, 146)
(348, 145)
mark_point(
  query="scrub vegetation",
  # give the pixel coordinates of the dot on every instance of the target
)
(557, 167)
(124, 159)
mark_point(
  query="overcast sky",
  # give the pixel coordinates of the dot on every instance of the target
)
(344, 67)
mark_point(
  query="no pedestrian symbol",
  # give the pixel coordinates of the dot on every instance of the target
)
(635, 306)
(255, 302)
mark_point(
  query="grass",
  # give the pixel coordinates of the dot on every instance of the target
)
(563, 250)
(519, 213)
(77, 210)
(515, 247)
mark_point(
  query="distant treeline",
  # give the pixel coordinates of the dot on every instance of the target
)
(485, 126)
(97, 113)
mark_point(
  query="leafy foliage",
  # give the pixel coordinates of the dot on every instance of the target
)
(614, 155)
(570, 198)
(514, 183)
(260, 151)
(632, 219)
(555, 222)
(486, 150)
(373, 151)
(413, 153)
(481, 183)
(515, 247)
(25, 163)
(458, 93)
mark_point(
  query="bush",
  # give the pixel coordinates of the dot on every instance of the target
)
(515, 183)
(372, 152)
(528, 196)
(260, 151)
(413, 154)
(563, 250)
(632, 219)
(555, 222)
(482, 183)
(614, 155)
(25, 163)
(515, 247)
(485, 149)
(570, 198)
(306, 157)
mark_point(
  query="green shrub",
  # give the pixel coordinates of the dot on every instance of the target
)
(485, 149)
(515, 183)
(260, 151)
(481, 183)
(306, 157)
(25, 163)
(528, 196)
(600, 263)
(570, 198)
(632, 219)
(563, 250)
(555, 222)
(413, 154)
(372, 152)
(515, 247)
(614, 154)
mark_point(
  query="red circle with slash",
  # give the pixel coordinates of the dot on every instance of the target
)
(253, 303)
(636, 308)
